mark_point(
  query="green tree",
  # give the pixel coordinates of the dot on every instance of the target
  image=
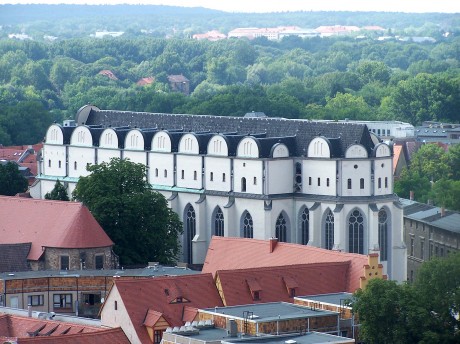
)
(134, 216)
(59, 192)
(430, 161)
(453, 161)
(438, 290)
(11, 180)
(385, 310)
(446, 193)
(411, 180)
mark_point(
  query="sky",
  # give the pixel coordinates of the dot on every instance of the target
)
(414, 6)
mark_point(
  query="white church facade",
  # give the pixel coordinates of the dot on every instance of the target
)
(323, 184)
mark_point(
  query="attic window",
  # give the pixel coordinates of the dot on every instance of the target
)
(180, 299)
(256, 295)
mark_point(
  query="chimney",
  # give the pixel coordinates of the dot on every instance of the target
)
(411, 195)
(273, 242)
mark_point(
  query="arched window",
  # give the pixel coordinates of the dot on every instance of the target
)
(243, 184)
(247, 226)
(356, 232)
(219, 222)
(383, 235)
(304, 226)
(190, 231)
(329, 231)
(281, 228)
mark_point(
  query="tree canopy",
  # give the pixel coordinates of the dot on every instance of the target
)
(423, 312)
(11, 180)
(134, 216)
(58, 193)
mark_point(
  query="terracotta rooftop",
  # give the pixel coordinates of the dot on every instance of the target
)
(148, 299)
(177, 78)
(397, 149)
(25, 156)
(146, 81)
(31, 330)
(273, 283)
(46, 223)
(253, 253)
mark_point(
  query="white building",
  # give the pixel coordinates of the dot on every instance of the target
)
(324, 184)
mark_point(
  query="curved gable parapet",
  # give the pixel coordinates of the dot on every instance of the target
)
(83, 113)
(82, 136)
(279, 150)
(134, 140)
(356, 151)
(161, 142)
(248, 148)
(218, 145)
(189, 144)
(109, 139)
(382, 150)
(55, 135)
(319, 147)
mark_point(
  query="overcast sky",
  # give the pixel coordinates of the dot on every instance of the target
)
(451, 6)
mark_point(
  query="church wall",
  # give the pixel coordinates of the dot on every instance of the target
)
(355, 177)
(189, 171)
(139, 157)
(250, 170)
(104, 154)
(161, 169)
(79, 158)
(52, 155)
(322, 170)
(217, 175)
(279, 176)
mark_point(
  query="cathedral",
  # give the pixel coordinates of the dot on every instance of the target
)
(320, 183)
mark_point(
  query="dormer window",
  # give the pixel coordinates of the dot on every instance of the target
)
(256, 295)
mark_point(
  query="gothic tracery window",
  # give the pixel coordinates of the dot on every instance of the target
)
(304, 225)
(219, 222)
(281, 228)
(383, 235)
(329, 231)
(190, 231)
(356, 232)
(247, 226)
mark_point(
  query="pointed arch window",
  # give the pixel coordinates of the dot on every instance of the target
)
(190, 231)
(247, 226)
(329, 231)
(356, 232)
(243, 184)
(383, 235)
(304, 225)
(219, 222)
(281, 228)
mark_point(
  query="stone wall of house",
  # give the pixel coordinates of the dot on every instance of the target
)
(79, 258)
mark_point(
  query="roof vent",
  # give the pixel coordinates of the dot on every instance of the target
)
(290, 341)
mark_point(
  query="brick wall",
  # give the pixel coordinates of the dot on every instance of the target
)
(77, 257)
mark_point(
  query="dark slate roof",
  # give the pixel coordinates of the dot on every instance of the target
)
(66, 133)
(303, 130)
(435, 216)
(13, 257)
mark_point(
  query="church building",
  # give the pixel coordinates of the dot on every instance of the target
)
(319, 183)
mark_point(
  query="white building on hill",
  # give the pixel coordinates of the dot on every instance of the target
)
(324, 184)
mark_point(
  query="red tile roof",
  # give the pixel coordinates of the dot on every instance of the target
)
(14, 153)
(273, 283)
(225, 253)
(146, 81)
(46, 223)
(397, 149)
(49, 331)
(141, 296)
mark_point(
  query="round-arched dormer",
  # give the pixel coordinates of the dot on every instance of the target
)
(83, 113)
(55, 135)
(279, 150)
(248, 147)
(81, 136)
(108, 139)
(217, 145)
(161, 142)
(382, 150)
(188, 144)
(134, 140)
(319, 147)
(356, 151)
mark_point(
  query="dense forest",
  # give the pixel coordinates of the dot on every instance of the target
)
(316, 78)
